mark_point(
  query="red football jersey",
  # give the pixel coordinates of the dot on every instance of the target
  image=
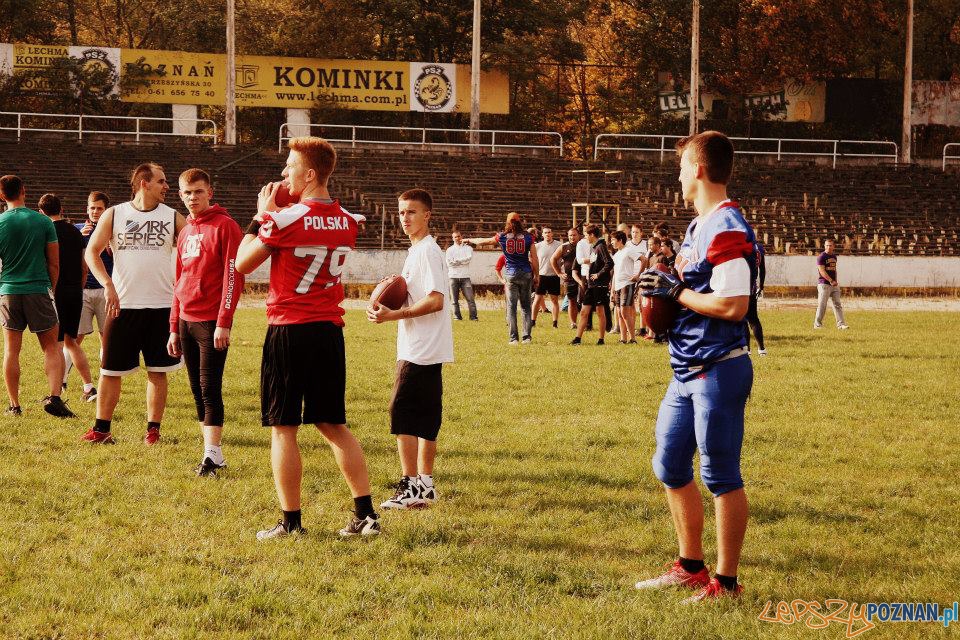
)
(309, 243)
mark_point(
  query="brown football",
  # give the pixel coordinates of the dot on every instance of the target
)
(658, 314)
(282, 197)
(391, 292)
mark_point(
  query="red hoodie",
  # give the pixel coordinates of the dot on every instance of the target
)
(208, 286)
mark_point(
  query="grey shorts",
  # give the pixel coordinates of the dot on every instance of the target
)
(35, 310)
(94, 306)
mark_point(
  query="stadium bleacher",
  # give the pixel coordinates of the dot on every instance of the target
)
(868, 210)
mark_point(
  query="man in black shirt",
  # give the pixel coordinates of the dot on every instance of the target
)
(68, 295)
(597, 293)
(564, 261)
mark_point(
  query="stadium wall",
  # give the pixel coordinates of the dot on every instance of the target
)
(369, 266)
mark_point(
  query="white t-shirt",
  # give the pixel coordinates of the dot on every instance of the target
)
(625, 265)
(544, 253)
(458, 260)
(427, 339)
(583, 256)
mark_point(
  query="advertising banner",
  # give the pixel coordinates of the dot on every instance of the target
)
(178, 77)
(794, 102)
(936, 103)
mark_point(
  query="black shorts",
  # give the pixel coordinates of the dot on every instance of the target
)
(303, 376)
(417, 405)
(573, 291)
(548, 285)
(626, 295)
(69, 305)
(133, 332)
(596, 296)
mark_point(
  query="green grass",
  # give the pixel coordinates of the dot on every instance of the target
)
(549, 508)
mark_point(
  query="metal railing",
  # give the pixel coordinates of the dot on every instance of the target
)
(414, 136)
(946, 157)
(779, 147)
(88, 124)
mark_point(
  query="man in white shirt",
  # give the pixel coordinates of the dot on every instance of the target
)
(424, 343)
(459, 255)
(549, 278)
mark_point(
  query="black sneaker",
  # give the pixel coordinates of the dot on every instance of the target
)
(369, 526)
(209, 468)
(533, 323)
(13, 412)
(55, 406)
(554, 324)
(279, 531)
(600, 341)
(575, 341)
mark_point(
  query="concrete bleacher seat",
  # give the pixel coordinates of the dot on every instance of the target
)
(868, 210)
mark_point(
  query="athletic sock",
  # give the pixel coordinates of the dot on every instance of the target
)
(692, 566)
(87, 386)
(727, 582)
(426, 480)
(101, 426)
(291, 520)
(214, 453)
(363, 507)
(153, 425)
(68, 364)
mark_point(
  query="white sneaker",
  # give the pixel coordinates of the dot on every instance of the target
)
(369, 526)
(762, 352)
(526, 341)
(817, 326)
(428, 495)
(407, 495)
(842, 326)
(514, 343)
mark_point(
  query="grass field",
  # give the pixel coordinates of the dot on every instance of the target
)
(549, 509)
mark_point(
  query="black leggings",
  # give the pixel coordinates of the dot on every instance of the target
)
(753, 319)
(205, 367)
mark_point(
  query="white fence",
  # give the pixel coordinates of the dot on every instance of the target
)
(946, 157)
(779, 147)
(79, 124)
(491, 139)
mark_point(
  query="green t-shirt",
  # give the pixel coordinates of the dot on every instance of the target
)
(24, 236)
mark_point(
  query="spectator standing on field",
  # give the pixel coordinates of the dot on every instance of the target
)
(564, 261)
(549, 277)
(68, 294)
(597, 294)
(753, 315)
(828, 287)
(521, 272)
(624, 284)
(205, 297)
(459, 255)
(424, 344)
(30, 259)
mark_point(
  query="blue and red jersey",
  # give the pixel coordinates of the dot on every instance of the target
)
(710, 241)
(516, 249)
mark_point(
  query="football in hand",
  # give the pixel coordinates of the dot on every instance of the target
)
(659, 314)
(391, 293)
(282, 197)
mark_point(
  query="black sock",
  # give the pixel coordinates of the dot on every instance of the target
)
(727, 582)
(291, 520)
(101, 426)
(153, 425)
(692, 566)
(363, 506)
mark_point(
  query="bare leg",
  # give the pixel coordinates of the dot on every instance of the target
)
(12, 341)
(156, 395)
(630, 319)
(427, 453)
(602, 317)
(71, 346)
(346, 449)
(574, 310)
(537, 304)
(732, 514)
(52, 359)
(407, 448)
(556, 307)
(686, 508)
(585, 312)
(107, 396)
(287, 466)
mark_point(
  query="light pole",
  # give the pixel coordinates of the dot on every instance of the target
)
(907, 88)
(230, 117)
(695, 67)
(475, 78)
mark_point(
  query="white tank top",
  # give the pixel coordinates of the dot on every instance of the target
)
(144, 246)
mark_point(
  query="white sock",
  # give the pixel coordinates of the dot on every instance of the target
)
(68, 364)
(426, 480)
(214, 453)
(87, 386)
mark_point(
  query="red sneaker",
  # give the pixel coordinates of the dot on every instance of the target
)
(713, 591)
(152, 437)
(677, 576)
(97, 437)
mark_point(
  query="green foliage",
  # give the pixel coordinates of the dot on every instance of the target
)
(549, 510)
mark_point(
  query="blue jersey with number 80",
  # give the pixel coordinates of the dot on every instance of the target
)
(516, 249)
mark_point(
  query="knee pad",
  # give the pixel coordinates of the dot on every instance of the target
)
(672, 472)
